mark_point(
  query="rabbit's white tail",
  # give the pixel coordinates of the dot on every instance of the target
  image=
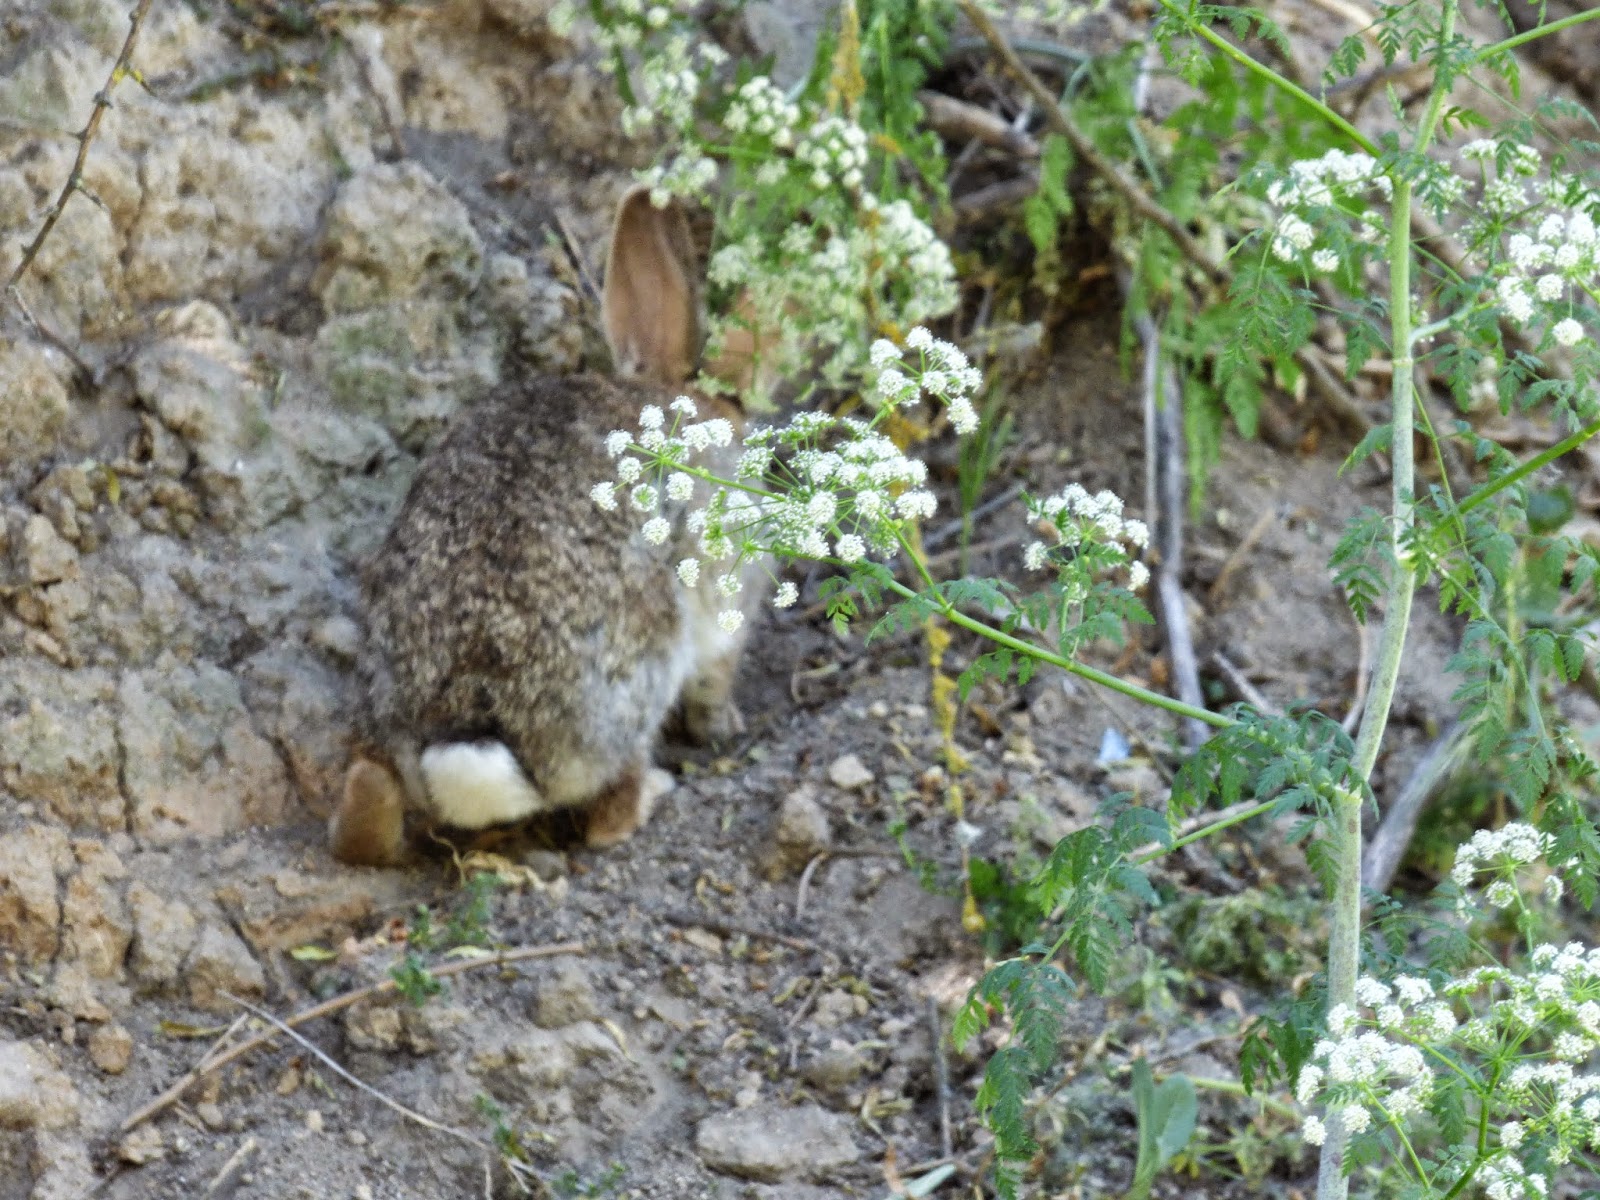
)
(476, 784)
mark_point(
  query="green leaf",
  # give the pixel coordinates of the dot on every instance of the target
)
(1166, 1115)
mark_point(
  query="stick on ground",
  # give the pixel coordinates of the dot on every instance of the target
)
(216, 1058)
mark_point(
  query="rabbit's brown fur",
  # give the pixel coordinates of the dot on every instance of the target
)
(506, 608)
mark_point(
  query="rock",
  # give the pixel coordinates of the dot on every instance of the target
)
(375, 1027)
(63, 1167)
(58, 742)
(163, 933)
(769, 1142)
(836, 1068)
(195, 764)
(565, 998)
(96, 930)
(801, 835)
(848, 773)
(46, 555)
(33, 401)
(219, 963)
(142, 1146)
(111, 1049)
(30, 912)
(395, 232)
(34, 1093)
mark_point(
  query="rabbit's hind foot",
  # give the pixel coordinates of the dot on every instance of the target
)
(368, 826)
(621, 810)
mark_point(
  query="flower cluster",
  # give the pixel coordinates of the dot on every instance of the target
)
(1501, 852)
(1543, 273)
(1316, 184)
(1517, 1054)
(834, 148)
(819, 487)
(1075, 520)
(830, 283)
(760, 108)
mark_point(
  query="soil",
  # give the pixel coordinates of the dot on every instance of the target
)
(273, 314)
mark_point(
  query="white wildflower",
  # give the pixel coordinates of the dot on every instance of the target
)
(729, 620)
(656, 530)
(689, 571)
(786, 595)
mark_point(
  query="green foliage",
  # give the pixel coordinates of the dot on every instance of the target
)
(1256, 936)
(1166, 1114)
(468, 926)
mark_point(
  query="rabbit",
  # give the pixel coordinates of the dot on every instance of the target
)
(525, 647)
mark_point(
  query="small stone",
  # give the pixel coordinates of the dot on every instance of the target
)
(34, 1093)
(548, 865)
(220, 962)
(703, 939)
(374, 1027)
(141, 1146)
(356, 1138)
(768, 1142)
(111, 1049)
(211, 1116)
(877, 710)
(314, 1122)
(836, 1007)
(801, 835)
(848, 773)
(566, 998)
(836, 1068)
(49, 557)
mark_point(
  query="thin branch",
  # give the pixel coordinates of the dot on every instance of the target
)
(387, 1101)
(102, 101)
(215, 1061)
(1343, 404)
(1083, 146)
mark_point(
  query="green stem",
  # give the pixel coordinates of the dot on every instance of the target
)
(1204, 831)
(1542, 459)
(1522, 39)
(1278, 81)
(1344, 939)
(1001, 638)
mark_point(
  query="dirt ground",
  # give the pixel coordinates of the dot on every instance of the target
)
(746, 995)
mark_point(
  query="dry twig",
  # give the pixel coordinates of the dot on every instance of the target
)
(734, 929)
(224, 1178)
(387, 1101)
(102, 101)
(953, 118)
(1241, 684)
(941, 1078)
(217, 1058)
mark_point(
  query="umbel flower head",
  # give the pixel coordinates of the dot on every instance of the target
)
(829, 488)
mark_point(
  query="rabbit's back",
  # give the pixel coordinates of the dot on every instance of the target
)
(506, 605)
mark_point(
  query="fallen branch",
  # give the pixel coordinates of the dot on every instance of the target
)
(1393, 836)
(214, 1061)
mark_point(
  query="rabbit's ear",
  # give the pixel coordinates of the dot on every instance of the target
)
(651, 303)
